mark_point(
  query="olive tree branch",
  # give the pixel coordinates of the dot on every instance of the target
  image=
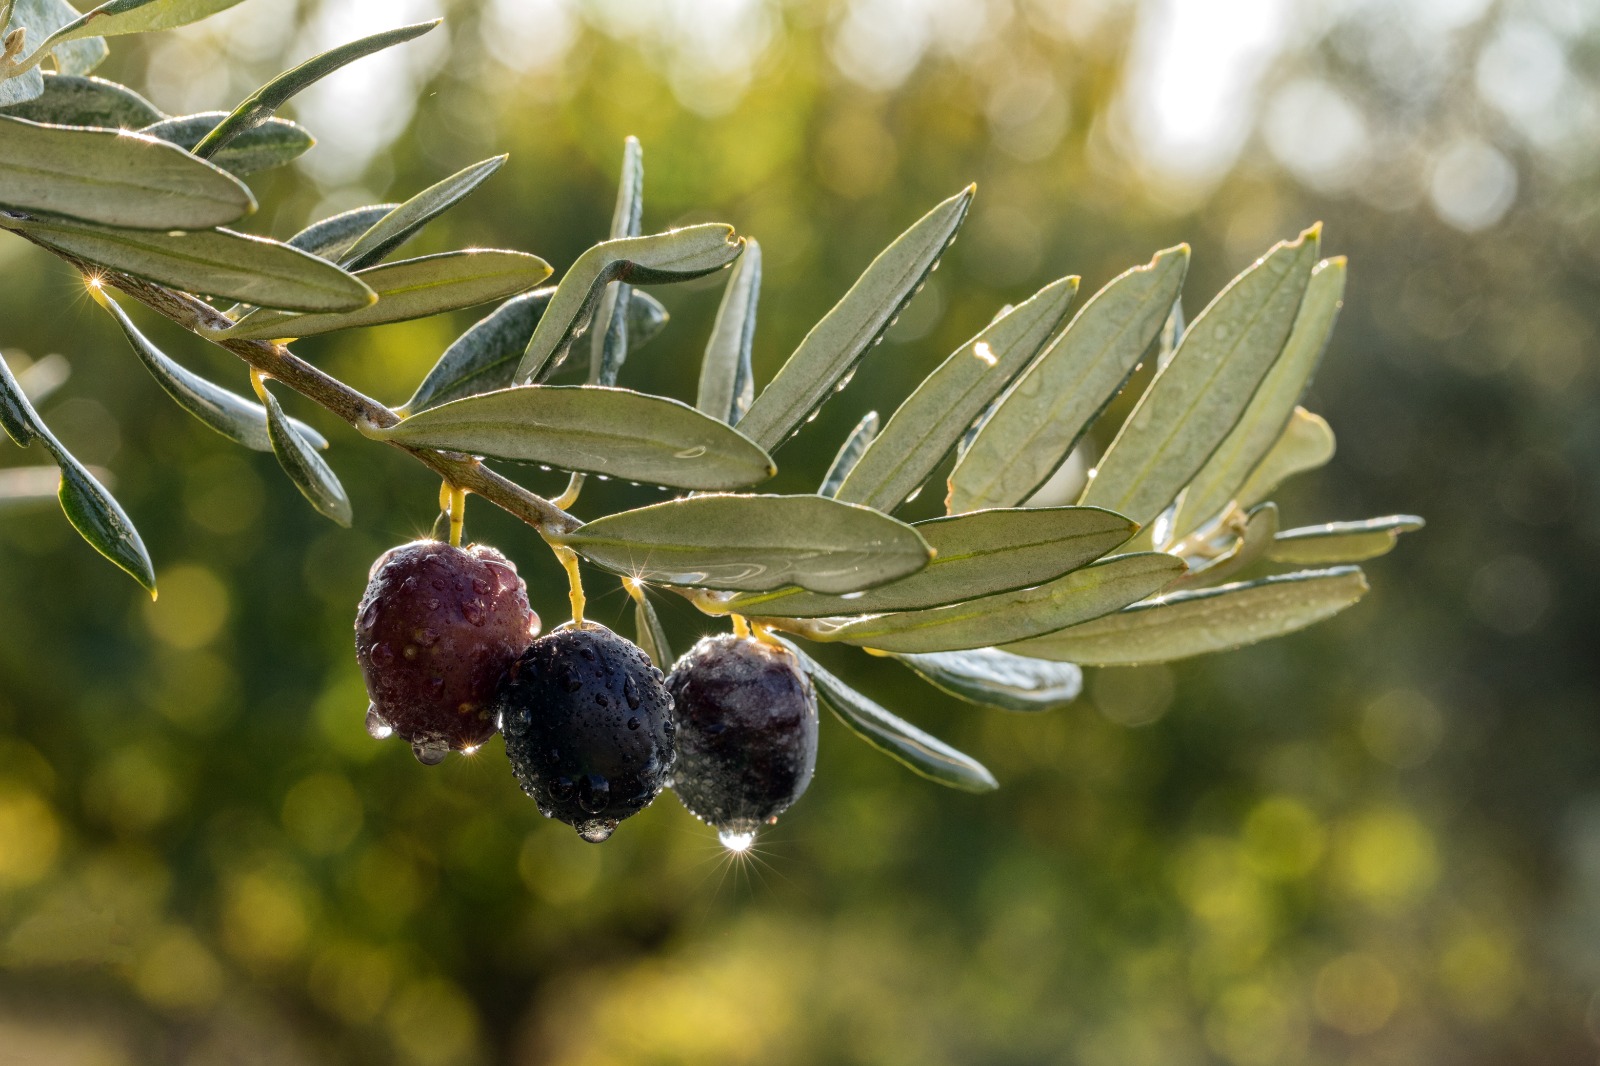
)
(328, 392)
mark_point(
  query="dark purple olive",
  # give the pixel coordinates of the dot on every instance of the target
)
(588, 728)
(747, 734)
(435, 633)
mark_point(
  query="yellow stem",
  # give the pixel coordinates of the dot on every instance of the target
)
(458, 514)
(764, 635)
(570, 496)
(741, 628)
(259, 384)
(569, 560)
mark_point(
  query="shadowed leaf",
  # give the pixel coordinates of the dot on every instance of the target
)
(398, 226)
(994, 678)
(272, 144)
(310, 473)
(727, 383)
(331, 237)
(73, 100)
(1341, 542)
(855, 445)
(484, 357)
(608, 338)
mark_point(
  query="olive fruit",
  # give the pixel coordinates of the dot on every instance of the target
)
(588, 727)
(747, 733)
(435, 633)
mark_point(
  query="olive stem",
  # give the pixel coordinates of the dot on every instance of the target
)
(741, 628)
(569, 560)
(458, 514)
(569, 495)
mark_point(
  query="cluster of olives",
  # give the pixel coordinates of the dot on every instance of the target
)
(451, 653)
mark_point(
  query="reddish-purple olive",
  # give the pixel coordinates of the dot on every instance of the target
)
(588, 728)
(747, 733)
(435, 633)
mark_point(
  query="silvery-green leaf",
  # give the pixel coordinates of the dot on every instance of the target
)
(259, 105)
(20, 88)
(857, 322)
(22, 486)
(310, 473)
(272, 144)
(1052, 404)
(331, 237)
(71, 100)
(17, 415)
(1171, 334)
(213, 262)
(396, 227)
(753, 542)
(410, 288)
(1011, 616)
(1341, 542)
(1203, 621)
(1305, 445)
(484, 357)
(727, 383)
(977, 554)
(918, 751)
(114, 178)
(646, 319)
(45, 17)
(994, 678)
(1195, 401)
(594, 430)
(1251, 547)
(231, 415)
(1213, 488)
(676, 255)
(933, 418)
(855, 445)
(116, 17)
(608, 339)
(650, 636)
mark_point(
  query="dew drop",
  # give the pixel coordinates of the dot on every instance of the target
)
(737, 842)
(430, 752)
(382, 655)
(369, 615)
(474, 612)
(426, 637)
(377, 728)
(597, 831)
(481, 587)
(633, 722)
(630, 692)
(562, 788)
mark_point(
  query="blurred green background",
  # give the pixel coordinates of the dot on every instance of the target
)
(1374, 842)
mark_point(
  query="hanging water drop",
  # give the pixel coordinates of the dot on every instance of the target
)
(737, 841)
(430, 752)
(377, 728)
(597, 831)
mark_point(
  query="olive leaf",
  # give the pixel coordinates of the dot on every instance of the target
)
(484, 357)
(1341, 542)
(977, 555)
(260, 105)
(43, 18)
(649, 634)
(918, 751)
(410, 288)
(274, 143)
(310, 473)
(855, 445)
(114, 178)
(1212, 489)
(592, 429)
(858, 321)
(933, 418)
(20, 87)
(608, 339)
(213, 262)
(92, 510)
(1050, 406)
(1196, 399)
(1011, 616)
(399, 224)
(1251, 546)
(74, 100)
(753, 542)
(1203, 621)
(116, 17)
(676, 255)
(727, 384)
(231, 415)
(646, 319)
(994, 678)
(1306, 444)
(331, 237)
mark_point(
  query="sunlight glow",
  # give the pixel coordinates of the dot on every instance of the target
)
(738, 843)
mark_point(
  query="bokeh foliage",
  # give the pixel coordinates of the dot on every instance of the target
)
(1374, 841)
